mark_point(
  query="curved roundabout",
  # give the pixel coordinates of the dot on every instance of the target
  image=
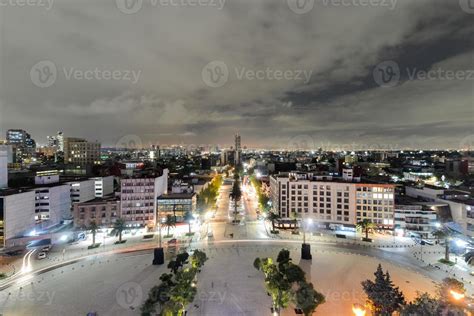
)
(117, 284)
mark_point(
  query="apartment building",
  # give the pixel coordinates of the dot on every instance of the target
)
(17, 214)
(414, 220)
(104, 186)
(52, 202)
(104, 211)
(461, 204)
(80, 152)
(82, 190)
(138, 198)
(331, 200)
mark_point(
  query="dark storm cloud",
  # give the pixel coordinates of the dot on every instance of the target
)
(167, 48)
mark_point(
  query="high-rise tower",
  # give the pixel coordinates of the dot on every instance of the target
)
(238, 150)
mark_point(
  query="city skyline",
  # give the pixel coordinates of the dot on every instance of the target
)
(281, 77)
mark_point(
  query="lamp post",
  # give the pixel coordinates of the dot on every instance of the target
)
(159, 255)
(457, 296)
(306, 248)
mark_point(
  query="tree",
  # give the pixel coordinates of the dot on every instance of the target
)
(307, 298)
(119, 227)
(383, 297)
(236, 195)
(451, 293)
(93, 228)
(188, 218)
(286, 282)
(169, 222)
(198, 258)
(446, 235)
(179, 262)
(423, 304)
(182, 293)
(365, 225)
(273, 217)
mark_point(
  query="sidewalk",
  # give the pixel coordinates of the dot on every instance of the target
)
(460, 270)
(378, 241)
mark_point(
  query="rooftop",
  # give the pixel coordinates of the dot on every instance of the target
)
(171, 196)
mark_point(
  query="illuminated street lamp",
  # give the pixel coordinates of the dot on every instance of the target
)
(309, 222)
(456, 295)
(358, 310)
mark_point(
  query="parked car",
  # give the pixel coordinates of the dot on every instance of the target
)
(210, 234)
(41, 255)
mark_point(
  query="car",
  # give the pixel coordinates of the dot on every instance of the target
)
(427, 242)
(210, 234)
(41, 255)
(46, 248)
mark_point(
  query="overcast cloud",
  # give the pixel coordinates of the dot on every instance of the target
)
(291, 78)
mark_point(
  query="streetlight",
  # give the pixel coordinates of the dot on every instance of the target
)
(358, 310)
(309, 222)
(456, 295)
(159, 255)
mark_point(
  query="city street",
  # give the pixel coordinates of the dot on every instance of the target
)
(228, 281)
(42, 284)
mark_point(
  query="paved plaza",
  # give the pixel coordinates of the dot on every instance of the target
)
(227, 285)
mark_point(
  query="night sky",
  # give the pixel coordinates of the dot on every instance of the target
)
(341, 102)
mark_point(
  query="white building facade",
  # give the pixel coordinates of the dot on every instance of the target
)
(17, 215)
(331, 200)
(104, 186)
(461, 207)
(415, 220)
(52, 203)
(3, 167)
(138, 199)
